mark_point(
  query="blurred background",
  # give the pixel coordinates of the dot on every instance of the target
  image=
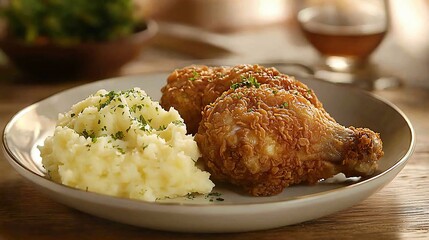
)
(246, 31)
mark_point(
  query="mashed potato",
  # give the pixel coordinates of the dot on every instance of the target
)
(124, 144)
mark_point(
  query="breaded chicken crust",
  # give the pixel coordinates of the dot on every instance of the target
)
(185, 89)
(264, 139)
(190, 89)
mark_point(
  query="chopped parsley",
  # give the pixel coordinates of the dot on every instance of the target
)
(142, 120)
(178, 123)
(120, 150)
(195, 76)
(135, 107)
(145, 128)
(190, 195)
(88, 135)
(284, 105)
(118, 135)
(110, 97)
(162, 128)
(246, 82)
(237, 96)
(214, 194)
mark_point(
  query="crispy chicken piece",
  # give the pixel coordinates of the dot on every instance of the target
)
(190, 89)
(265, 139)
(247, 73)
(184, 91)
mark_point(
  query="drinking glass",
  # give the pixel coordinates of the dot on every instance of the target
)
(346, 33)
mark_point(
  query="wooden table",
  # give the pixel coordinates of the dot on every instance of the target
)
(398, 211)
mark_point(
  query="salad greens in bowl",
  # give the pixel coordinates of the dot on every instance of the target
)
(49, 38)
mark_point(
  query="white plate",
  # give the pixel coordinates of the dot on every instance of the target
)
(238, 212)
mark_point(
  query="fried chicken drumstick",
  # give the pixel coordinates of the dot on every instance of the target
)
(190, 89)
(264, 139)
(263, 130)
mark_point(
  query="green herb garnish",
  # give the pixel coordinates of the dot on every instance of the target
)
(246, 82)
(178, 123)
(118, 135)
(214, 194)
(195, 75)
(162, 128)
(284, 105)
(110, 97)
(88, 135)
(190, 195)
(120, 150)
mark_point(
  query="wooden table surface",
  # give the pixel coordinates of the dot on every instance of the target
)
(398, 211)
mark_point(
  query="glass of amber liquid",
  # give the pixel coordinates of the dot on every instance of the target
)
(345, 33)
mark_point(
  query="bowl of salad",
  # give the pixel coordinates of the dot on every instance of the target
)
(73, 38)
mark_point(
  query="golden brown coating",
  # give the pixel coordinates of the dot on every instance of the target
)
(265, 139)
(190, 89)
(184, 91)
(262, 75)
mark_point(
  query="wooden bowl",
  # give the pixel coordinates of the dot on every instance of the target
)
(89, 59)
